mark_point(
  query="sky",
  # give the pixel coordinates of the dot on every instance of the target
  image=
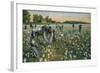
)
(63, 16)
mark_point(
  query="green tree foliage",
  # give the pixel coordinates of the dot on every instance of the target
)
(48, 20)
(40, 18)
(26, 17)
(37, 18)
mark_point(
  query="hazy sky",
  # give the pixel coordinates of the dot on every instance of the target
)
(63, 16)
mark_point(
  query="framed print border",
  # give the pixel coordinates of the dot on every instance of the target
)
(16, 36)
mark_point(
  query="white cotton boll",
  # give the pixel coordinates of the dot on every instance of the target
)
(41, 59)
(48, 55)
(74, 56)
(28, 31)
(39, 29)
(71, 51)
(49, 46)
(70, 56)
(28, 54)
(33, 42)
(43, 55)
(62, 35)
(45, 59)
(66, 52)
(24, 59)
(78, 48)
(48, 50)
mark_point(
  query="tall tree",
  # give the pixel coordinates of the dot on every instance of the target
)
(26, 17)
(35, 19)
(47, 19)
(40, 18)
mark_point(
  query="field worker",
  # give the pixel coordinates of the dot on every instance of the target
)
(34, 45)
(80, 28)
(73, 25)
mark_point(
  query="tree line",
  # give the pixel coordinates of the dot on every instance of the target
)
(36, 18)
(39, 19)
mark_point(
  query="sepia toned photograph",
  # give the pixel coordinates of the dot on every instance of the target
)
(55, 36)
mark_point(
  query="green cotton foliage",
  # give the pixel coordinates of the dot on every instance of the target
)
(70, 46)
